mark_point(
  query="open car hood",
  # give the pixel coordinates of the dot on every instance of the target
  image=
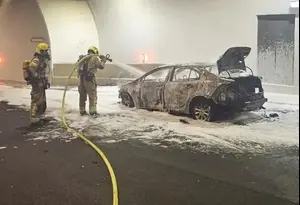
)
(233, 58)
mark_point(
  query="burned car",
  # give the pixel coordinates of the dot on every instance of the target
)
(202, 90)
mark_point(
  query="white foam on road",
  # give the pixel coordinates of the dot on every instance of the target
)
(119, 123)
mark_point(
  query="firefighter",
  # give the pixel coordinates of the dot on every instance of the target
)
(88, 84)
(37, 77)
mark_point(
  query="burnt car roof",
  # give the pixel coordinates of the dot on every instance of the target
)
(194, 65)
(197, 64)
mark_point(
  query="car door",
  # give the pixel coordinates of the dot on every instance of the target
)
(152, 87)
(182, 84)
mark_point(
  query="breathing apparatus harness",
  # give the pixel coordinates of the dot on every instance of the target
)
(28, 77)
(83, 70)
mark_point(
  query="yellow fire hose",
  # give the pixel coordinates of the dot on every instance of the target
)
(80, 135)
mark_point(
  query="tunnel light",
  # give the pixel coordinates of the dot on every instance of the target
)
(37, 40)
(1, 60)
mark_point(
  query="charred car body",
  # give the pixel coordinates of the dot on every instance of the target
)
(202, 90)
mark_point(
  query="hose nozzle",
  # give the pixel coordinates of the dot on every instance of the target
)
(106, 57)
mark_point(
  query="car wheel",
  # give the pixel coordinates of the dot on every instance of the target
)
(204, 111)
(127, 100)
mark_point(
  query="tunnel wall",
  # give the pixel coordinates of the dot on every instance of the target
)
(17, 28)
(71, 29)
(173, 31)
(169, 32)
(178, 31)
(296, 63)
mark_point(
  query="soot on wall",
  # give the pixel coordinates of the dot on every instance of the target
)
(276, 47)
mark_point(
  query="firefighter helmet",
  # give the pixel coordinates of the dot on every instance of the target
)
(93, 49)
(41, 48)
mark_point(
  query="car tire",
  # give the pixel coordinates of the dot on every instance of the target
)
(127, 100)
(204, 111)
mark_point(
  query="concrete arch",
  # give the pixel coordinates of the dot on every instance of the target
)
(20, 21)
(71, 28)
(68, 26)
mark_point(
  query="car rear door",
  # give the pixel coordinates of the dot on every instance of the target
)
(182, 84)
(152, 87)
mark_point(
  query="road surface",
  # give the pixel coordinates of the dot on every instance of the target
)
(61, 173)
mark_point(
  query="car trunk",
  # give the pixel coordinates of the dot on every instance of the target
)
(248, 84)
(244, 93)
(233, 58)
